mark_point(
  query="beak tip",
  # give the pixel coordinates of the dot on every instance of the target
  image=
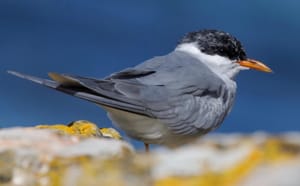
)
(268, 70)
(253, 64)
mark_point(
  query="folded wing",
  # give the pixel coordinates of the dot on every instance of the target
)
(173, 88)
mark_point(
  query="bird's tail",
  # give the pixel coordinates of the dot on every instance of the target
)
(46, 82)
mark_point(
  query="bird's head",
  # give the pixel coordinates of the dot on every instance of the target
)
(218, 48)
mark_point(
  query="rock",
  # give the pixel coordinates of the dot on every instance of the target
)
(231, 160)
(64, 156)
(30, 156)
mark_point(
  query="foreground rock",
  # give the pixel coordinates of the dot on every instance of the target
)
(31, 156)
(232, 159)
(43, 157)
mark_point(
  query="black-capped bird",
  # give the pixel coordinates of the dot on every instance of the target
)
(171, 99)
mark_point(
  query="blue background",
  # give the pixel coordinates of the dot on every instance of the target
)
(95, 38)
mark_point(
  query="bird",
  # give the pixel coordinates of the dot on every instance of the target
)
(168, 100)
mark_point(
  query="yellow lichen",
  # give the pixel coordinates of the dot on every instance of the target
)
(83, 128)
(110, 132)
(273, 150)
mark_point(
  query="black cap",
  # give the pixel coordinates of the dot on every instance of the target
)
(214, 42)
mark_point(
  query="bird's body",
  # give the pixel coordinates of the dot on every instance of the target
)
(177, 111)
(170, 99)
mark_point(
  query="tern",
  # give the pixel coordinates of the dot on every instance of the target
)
(171, 99)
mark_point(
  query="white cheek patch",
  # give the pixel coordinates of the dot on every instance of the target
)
(223, 66)
(215, 60)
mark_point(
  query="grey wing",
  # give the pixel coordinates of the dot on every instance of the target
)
(185, 110)
(183, 93)
(173, 88)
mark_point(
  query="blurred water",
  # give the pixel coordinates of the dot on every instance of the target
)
(96, 38)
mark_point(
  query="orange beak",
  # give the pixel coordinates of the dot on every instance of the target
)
(253, 64)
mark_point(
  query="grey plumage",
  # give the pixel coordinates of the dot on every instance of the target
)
(170, 99)
(177, 91)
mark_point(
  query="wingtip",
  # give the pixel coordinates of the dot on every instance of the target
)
(15, 73)
(25, 76)
(11, 72)
(34, 79)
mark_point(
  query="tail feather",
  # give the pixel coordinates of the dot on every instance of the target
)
(46, 82)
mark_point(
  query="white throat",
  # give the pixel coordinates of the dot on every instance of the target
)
(222, 66)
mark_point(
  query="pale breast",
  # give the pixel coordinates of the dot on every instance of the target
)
(146, 129)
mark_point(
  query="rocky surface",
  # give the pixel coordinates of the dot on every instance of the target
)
(81, 154)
